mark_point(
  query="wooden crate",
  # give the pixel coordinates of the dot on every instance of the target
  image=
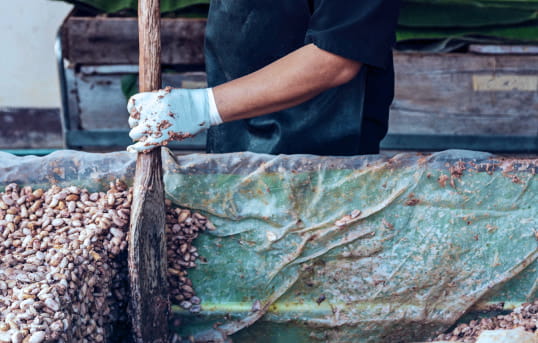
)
(485, 99)
(97, 52)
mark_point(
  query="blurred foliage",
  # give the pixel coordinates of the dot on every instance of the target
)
(522, 33)
(129, 7)
(414, 14)
(129, 85)
(442, 23)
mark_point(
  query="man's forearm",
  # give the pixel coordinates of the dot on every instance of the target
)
(290, 81)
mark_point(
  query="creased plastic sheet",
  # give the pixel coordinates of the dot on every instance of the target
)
(356, 249)
(353, 249)
(67, 167)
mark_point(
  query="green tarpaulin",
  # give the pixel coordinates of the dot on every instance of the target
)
(326, 249)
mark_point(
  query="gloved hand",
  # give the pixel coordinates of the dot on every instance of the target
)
(169, 114)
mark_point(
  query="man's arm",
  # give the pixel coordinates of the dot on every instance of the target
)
(290, 81)
(171, 114)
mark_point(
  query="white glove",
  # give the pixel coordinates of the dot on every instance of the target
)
(169, 114)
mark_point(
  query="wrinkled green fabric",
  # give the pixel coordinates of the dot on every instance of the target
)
(436, 234)
(419, 255)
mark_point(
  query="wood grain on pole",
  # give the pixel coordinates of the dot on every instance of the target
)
(150, 305)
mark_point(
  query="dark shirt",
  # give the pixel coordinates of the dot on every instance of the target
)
(243, 36)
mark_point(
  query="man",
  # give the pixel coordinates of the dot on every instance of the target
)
(285, 76)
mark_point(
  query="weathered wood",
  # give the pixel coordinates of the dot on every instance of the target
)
(463, 62)
(150, 306)
(465, 94)
(422, 122)
(30, 128)
(497, 49)
(101, 40)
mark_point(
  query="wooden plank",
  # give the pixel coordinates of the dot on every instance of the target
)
(102, 40)
(425, 63)
(498, 144)
(70, 104)
(404, 121)
(119, 139)
(465, 94)
(149, 302)
(101, 104)
(30, 128)
(504, 49)
(507, 82)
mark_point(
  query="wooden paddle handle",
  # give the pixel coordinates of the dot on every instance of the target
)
(149, 36)
(149, 306)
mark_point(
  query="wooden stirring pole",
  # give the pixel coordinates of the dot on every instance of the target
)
(149, 303)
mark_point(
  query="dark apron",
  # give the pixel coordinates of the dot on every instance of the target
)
(243, 36)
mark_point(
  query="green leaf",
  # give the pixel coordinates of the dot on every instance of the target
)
(129, 85)
(174, 5)
(459, 15)
(521, 33)
(511, 4)
(113, 6)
